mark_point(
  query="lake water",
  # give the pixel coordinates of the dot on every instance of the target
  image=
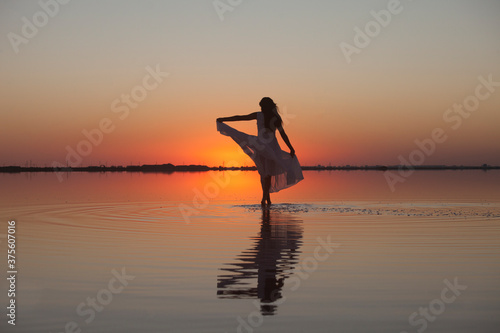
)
(194, 252)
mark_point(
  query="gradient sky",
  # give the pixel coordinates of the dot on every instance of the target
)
(370, 111)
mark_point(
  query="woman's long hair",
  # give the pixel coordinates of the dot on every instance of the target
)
(272, 119)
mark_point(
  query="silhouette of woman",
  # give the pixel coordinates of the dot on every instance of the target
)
(278, 169)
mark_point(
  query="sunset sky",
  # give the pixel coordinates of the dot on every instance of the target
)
(71, 70)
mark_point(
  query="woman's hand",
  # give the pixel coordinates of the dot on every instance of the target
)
(292, 152)
(219, 120)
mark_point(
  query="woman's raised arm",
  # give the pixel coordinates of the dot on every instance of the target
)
(250, 116)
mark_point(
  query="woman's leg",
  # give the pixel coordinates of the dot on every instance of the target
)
(263, 184)
(267, 184)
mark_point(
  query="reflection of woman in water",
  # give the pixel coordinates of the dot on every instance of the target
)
(268, 262)
(277, 168)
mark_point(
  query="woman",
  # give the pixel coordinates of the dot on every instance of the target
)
(277, 168)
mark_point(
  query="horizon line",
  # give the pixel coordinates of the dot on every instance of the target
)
(169, 168)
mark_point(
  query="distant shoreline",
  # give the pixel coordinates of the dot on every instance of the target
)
(170, 168)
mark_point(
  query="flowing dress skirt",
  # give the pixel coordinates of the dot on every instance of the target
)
(267, 155)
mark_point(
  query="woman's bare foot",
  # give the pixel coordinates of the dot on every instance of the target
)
(266, 202)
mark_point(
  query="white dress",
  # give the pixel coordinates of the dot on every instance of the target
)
(267, 155)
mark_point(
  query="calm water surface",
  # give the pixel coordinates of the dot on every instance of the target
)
(192, 252)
